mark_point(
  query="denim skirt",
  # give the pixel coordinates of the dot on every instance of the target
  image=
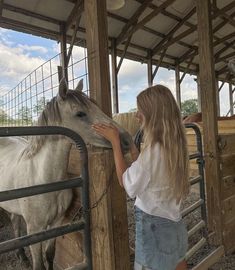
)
(160, 243)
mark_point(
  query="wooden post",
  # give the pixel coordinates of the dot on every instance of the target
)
(63, 49)
(199, 97)
(209, 116)
(109, 227)
(114, 76)
(231, 98)
(217, 94)
(150, 69)
(177, 82)
(98, 54)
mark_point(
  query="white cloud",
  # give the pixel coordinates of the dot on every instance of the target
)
(28, 48)
(14, 65)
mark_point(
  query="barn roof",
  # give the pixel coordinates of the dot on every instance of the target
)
(165, 30)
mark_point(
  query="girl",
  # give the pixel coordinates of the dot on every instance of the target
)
(158, 178)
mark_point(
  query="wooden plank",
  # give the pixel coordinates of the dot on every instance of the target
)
(228, 209)
(229, 236)
(98, 53)
(227, 186)
(69, 250)
(211, 259)
(227, 144)
(74, 165)
(195, 248)
(209, 116)
(227, 165)
(109, 228)
(114, 76)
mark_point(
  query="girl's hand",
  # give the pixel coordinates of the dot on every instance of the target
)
(109, 132)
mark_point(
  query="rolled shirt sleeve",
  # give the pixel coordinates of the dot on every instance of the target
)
(137, 176)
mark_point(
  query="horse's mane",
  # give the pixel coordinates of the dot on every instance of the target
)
(51, 116)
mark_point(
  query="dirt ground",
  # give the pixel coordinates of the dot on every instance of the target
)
(10, 261)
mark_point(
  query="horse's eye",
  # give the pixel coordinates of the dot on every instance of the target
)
(81, 114)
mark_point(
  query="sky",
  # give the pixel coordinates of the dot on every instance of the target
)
(21, 53)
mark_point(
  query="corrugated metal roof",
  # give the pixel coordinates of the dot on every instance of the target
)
(43, 18)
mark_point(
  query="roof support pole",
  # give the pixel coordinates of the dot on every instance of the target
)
(114, 76)
(177, 85)
(231, 98)
(63, 49)
(199, 96)
(217, 94)
(109, 226)
(209, 117)
(150, 69)
(98, 54)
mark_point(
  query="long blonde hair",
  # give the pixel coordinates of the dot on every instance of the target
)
(162, 124)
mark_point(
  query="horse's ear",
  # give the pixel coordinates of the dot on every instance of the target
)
(79, 86)
(63, 88)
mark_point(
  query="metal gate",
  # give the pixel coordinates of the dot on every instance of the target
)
(82, 182)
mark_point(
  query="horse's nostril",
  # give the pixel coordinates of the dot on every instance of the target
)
(126, 142)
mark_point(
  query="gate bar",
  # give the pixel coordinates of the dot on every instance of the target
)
(39, 237)
(40, 189)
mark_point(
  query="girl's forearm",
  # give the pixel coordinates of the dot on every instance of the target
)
(120, 162)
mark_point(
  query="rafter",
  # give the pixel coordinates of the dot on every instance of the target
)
(124, 53)
(30, 13)
(229, 45)
(76, 12)
(159, 46)
(221, 13)
(225, 57)
(187, 69)
(148, 18)
(133, 20)
(147, 29)
(159, 63)
(194, 51)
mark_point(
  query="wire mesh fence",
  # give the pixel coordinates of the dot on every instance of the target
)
(22, 105)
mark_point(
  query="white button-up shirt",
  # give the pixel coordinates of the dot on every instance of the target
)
(147, 180)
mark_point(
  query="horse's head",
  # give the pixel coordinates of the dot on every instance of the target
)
(79, 113)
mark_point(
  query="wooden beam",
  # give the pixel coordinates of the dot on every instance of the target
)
(150, 68)
(147, 29)
(225, 57)
(148, 18)
(30, 13)
(187, 69)
(114, 76)
(222, 14)
(159, 63)
(199, 95)
(231, 99)
(73, 37)
(194, 51)
(1, 7)
(210, 259)
(29, 29)
(218, 53)
(124, 53)
(109, 227)
(75, 13)
(217, 95)
(209, 116)
(133, 20)
(160, 45)
(177, 84)
(63, 50)
(98, 54)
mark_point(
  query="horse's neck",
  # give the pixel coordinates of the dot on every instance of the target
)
(53, 157)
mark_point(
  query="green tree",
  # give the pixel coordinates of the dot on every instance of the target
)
(3, 117)
(39, 107)
(25, 115)
(189, 106)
